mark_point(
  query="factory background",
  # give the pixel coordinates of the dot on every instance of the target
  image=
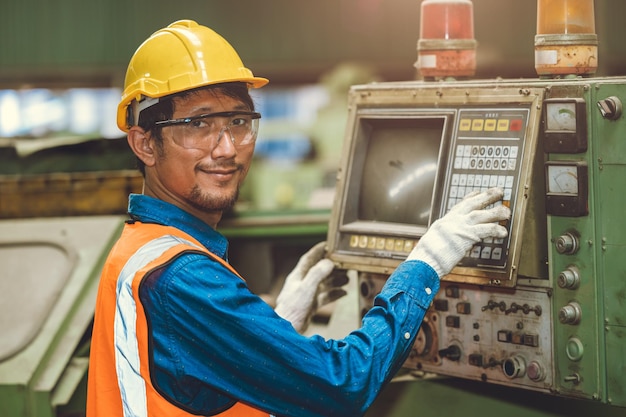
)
(87, 43)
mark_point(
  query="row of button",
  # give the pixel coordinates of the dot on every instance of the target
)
(382, 243)
(458, 193)
(490, 125)
(490, 158)
(463, 184)
(487, 151)
(486, 252)
(504, 336)
(526, 339)
(485, 164)
(479, 180)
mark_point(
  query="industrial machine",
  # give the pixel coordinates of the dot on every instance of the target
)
(542, 310)
(55, 232)
(50, 272)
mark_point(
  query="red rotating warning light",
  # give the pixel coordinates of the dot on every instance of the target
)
(446, 47)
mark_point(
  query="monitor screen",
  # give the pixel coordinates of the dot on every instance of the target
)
(399, 170)
(390, 193)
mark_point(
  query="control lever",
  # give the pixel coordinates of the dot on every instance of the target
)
(492, 363)
(452, 352)
(493, 304)
(513, 308)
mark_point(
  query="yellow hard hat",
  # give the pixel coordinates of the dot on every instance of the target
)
(180, 57)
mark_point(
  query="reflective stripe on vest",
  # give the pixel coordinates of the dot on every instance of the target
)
(132, 385)
(131, 382)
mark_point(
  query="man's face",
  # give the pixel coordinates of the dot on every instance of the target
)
(203, 181)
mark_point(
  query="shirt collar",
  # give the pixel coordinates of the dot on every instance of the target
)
(148, 209)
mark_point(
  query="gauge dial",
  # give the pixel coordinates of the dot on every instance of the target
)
(561, 116)
(563, 179)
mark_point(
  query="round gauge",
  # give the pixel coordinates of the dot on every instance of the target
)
(563, 179)
(561, 116)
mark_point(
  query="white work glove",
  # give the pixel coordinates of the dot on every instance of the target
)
(448, 239)
(309, 286)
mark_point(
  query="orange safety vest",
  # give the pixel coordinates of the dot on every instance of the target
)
(119, 382)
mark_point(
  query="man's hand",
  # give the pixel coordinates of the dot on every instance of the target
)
(309, 286)
(450, 237)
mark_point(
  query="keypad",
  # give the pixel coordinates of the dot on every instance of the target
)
(478, 167)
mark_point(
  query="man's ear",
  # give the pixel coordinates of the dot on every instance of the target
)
(142, 145)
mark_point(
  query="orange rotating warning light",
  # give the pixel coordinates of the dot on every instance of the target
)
(566, 42)
(446, 47)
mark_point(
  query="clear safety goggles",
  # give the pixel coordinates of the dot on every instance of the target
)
(204, 131)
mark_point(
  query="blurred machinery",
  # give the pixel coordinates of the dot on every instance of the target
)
(50, 271)
(543, 309)
(55, 231)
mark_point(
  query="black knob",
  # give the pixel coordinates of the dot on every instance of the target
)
(452, 352)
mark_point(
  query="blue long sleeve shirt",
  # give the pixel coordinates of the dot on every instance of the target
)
(214, 342)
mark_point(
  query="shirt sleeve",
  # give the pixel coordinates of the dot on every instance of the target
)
(214, 342)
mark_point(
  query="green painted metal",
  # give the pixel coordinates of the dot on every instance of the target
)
(600, 372)
(47, 373)
(448, 397)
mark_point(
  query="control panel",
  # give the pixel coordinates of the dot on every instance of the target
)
(492, 337)
(488, 146)
(544, 308)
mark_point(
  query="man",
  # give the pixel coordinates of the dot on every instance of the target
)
(176, 330)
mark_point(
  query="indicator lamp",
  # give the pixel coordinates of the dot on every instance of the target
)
(566, 42)
(446, 47)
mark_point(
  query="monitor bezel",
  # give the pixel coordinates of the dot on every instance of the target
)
(422, 97)
(355, 151)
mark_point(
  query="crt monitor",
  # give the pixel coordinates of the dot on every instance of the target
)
(410, 156)
(390, 191)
